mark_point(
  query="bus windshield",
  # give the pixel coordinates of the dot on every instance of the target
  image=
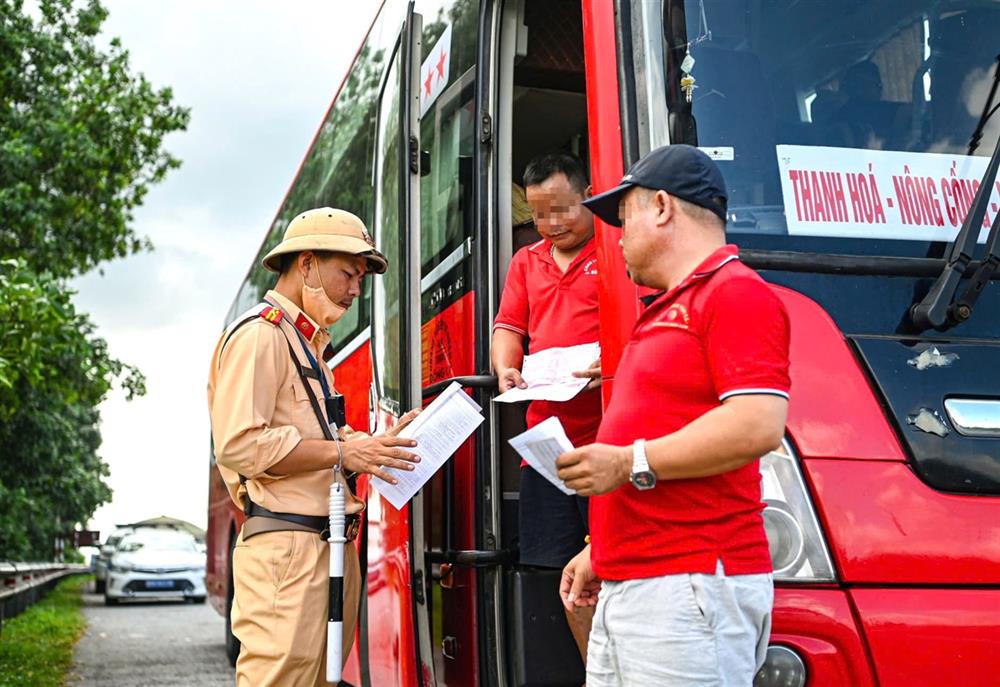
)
(853, 124)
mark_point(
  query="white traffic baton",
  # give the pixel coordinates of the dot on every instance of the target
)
(335, 618)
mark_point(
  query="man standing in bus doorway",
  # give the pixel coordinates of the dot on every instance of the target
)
(273, 455)
(550, 300)
(701, 392)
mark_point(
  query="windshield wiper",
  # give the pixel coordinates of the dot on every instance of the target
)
(963, 305)
(977, 135)
(938, 310)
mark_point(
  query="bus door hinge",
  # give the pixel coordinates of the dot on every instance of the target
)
(414, 155)
(485, 129)
(418, 587)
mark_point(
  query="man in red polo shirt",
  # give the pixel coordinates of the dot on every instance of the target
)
(678, 549)
(550, 300)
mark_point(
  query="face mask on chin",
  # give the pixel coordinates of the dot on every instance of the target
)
(318, 306)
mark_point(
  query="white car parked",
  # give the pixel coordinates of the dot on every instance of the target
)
(107, 550)
(156, 564)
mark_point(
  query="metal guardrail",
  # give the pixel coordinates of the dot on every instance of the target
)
(22, 584)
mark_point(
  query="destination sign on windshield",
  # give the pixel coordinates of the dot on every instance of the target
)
(877, 194)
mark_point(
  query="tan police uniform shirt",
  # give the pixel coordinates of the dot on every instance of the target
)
(260, 411)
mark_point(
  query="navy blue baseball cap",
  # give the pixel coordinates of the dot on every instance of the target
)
(681, 170)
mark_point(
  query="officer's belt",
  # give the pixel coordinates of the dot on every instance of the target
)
(260, 524)
(317, 524)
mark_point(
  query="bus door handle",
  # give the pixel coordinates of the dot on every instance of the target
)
(473, 558)
(470, 381)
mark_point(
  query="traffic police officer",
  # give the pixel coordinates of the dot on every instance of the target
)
(275, 455)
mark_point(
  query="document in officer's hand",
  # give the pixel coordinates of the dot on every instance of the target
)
(541, 446)
(439, 430)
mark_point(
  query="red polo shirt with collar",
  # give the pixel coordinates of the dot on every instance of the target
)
(721, 332)
(553, 309)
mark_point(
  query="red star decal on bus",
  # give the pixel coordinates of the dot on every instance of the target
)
(427, 84)
(441, 63)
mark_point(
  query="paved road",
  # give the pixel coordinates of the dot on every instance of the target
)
(144, 643)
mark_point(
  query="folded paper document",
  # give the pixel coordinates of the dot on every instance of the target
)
(439, 430)
(541, 445)
(549, 374)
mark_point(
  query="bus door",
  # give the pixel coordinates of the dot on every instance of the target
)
(395, 611)
(449, 536)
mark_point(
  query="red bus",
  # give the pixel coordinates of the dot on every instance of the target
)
(854, 136)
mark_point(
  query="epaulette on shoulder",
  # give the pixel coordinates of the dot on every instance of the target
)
(272, 314)
(262, 311)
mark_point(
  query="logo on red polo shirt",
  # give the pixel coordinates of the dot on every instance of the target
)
(675, 316)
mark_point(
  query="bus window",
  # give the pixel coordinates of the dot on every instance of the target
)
(335, 173)
(839, 88)
(841, 128)
(386, 341)
(447, 129)
(346, 184)
(345, 143)
(447, 136)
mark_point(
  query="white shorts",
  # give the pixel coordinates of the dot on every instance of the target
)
(681, 630)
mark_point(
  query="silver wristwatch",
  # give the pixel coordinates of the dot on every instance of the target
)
(642, 477)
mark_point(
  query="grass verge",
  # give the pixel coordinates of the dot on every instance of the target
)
(36, 647)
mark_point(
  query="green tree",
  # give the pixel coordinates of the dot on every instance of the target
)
(80, 138)
(81, 141)
(53, 373)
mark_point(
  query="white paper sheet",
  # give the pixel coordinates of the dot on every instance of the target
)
(541, 445)
(439, 430)
(549, 374)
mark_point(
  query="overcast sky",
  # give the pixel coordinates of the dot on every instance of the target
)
(258, 77)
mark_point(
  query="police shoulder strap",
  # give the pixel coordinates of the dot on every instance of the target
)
(273, 315)
(262, 311)
(305, 373)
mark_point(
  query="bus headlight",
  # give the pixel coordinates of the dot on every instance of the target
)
(798, 550)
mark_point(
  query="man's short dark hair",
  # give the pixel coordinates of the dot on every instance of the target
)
(287, 261)
(544, 166)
